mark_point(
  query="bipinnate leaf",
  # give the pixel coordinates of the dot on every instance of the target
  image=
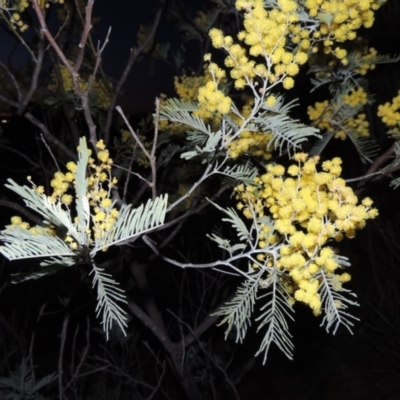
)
(133, 222)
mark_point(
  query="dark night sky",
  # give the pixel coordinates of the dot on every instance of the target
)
(147, 78)
(142, 87)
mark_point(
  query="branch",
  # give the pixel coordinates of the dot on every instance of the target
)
(150, 156)
(382, 159)
(86, 29)
(149, 323)
(73, 70)
(202, 347)
(138, 271)
(99, 52)
(228, 262)
(14, 81)
(61, 356)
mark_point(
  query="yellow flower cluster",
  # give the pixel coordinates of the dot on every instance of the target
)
(187, 87)
(277, 40)
(46, 4)
(203, 21)
(366, 59)
(142, 36)
(17, 21)
(267, 34)
(356, 97)
(16, 221)
(254, 143)
(325, 116)
(390, 114)
(100, 183)
(11, 10)
(309, 209)
(22, 5)
(211, 99)
(99, 93)
(339, 21)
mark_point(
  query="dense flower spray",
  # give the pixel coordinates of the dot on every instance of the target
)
(310, 210)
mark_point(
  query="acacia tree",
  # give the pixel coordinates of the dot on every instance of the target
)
(229, 145)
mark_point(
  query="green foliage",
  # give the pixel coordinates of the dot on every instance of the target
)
(22, 385)
(54, 245)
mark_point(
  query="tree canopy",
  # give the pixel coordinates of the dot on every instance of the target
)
(234, 205)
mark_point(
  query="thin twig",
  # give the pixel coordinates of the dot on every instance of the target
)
(132, 131)
(99, 52)
(132, 173)
(152, 159)
(20, 38)
(73, 70)
(362, 178)
(35, 77)
(14, 81)
(216, 365)
(21, 154)
(61, 356)
(382, 159)
(86, 29)
(128, 175)
(49, 150)
(227, 262)
(150, 156)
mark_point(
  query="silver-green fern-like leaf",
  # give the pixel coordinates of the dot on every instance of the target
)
(355, 61)
(209, 147)
(320, 81)
(281, 106)
(335, 300)
(239, 173)
(37, 242)
(236, 222)
(20, 243)
(168, 153)
(276, 312)
(367, 147)
(52, 212)
(395, 161)
(238, 311)
(133, 222)
(108, 297)
(180, 111)
(285, 131)
(226, 244)
(22, 385)
(320, 144)
(82, 202)
(395, 183)
(196, 139)
(45, 270)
